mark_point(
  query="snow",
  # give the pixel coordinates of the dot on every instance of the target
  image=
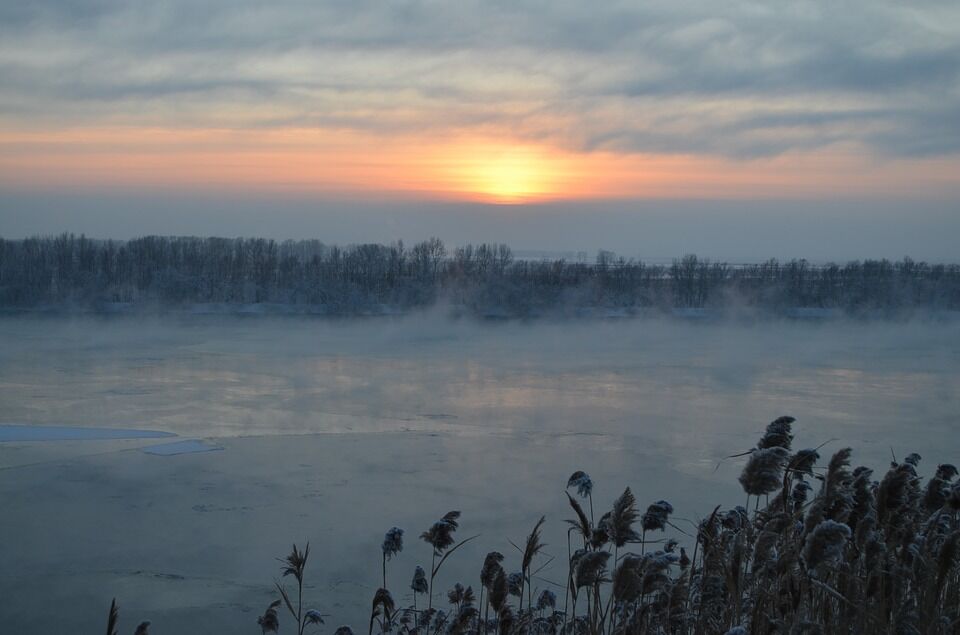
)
(187, 446)
(14, 432)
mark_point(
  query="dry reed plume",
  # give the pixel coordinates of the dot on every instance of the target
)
(826, 549)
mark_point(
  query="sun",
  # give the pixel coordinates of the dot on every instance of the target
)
(512, 175)
(504, 173)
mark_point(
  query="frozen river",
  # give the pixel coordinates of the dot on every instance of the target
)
(333, 432)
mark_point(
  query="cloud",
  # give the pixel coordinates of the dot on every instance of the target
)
(738, 79)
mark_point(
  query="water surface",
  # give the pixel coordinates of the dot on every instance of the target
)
(334, 431)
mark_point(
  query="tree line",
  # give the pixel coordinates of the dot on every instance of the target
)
(69, 271)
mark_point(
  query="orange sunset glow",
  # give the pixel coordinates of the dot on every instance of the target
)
(474, 169)
(508, 173)
(500, 114)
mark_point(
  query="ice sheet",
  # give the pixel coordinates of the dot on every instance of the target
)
(188, 446)
(15, 432)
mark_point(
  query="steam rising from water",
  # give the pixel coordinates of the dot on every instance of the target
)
(430, 415)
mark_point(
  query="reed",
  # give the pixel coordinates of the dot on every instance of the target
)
(826, 549)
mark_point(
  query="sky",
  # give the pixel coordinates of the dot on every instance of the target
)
(825, 129)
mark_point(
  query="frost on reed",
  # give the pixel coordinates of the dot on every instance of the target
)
(826, 549)
(392, 545)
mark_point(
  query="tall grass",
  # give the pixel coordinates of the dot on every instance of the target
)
(826, 549)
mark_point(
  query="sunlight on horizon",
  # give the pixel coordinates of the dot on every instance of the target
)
(505, 173)
(495, 170)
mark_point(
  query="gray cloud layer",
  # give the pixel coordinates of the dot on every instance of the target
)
(737, 78)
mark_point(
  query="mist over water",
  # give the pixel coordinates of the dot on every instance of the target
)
(216, 377)
(333, 431)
